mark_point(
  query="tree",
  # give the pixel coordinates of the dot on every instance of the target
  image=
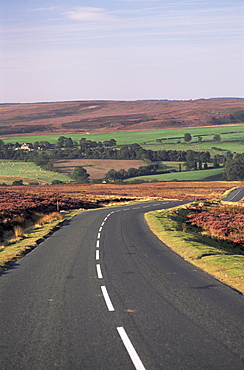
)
(61, 141)
(80, 175)
(215, 162)
(200, 164)
(69, 143)
(113, 142)
(234, 169)
(187, 137)
(1, 145)
(111, 175)
(190, 162)
(216, 137)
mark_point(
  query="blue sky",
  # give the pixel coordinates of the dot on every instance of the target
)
(59, 50)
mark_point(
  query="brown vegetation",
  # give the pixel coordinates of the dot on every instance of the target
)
(21, 207)
(95, 167)
(112, 116)
(96, 192)
(222, 221)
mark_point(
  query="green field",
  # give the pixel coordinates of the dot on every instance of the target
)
(29, 170)
(181, 176)
(229, 141)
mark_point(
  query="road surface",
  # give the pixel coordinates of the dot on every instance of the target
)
(104, 293)
(236, 195)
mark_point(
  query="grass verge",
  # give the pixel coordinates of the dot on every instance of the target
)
(31, 238)
(211, 255)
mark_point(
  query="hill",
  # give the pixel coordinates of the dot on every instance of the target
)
(115, 116)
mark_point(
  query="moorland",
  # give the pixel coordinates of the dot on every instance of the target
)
(115, 116)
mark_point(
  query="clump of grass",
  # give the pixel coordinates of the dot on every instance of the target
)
(44, 219)
(18, 231)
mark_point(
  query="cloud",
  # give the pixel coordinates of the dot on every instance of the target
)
(44, 9)
(89, 14)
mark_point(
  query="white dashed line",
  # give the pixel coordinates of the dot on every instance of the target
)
(235, 194)
(102, 223)
(97, 255)
(130, 349)
(100, 229)
(97, 245)
(98, 235)
(99, 271)
(107, 299)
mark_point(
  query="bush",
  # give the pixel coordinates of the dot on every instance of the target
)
(56, 182)
(17, 183)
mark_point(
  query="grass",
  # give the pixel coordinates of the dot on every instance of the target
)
(180, 176)
(28, 172)
(211, 255)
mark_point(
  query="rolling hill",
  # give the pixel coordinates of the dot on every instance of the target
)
(115, 116)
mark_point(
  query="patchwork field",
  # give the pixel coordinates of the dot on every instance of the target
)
(95, 167)
(232, 138)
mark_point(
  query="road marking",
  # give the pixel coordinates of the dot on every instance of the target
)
(97, 255)
(99, 271)
(130, 349)
(107, 299)
(235, 194)
(97, 244)
(101, 228)
(98, 235)
(102, 223)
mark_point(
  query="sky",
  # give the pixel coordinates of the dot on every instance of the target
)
(58, 50)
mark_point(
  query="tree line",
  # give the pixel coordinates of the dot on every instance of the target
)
(44, 153)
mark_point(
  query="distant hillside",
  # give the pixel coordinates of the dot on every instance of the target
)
(112, 116)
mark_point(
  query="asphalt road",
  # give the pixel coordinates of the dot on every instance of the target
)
(104, 293)
(236, 195)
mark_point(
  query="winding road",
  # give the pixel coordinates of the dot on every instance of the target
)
(104, 293)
